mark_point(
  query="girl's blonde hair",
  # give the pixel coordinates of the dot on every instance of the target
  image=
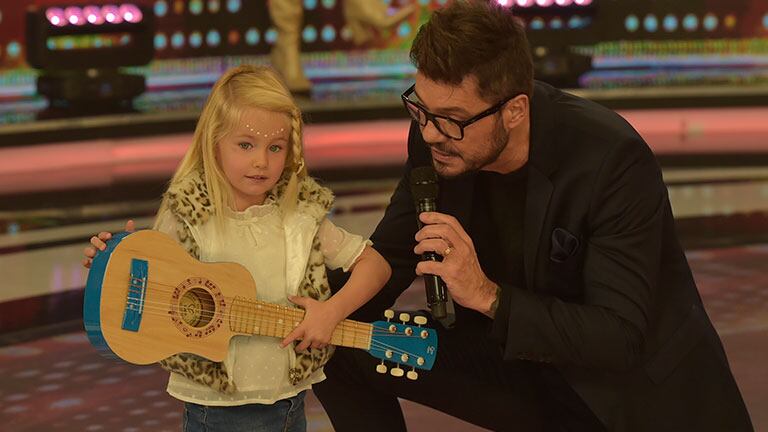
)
(239, 89)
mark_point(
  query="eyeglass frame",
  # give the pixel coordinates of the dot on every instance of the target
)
(460, 123)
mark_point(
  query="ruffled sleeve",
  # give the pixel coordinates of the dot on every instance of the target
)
(339, 247)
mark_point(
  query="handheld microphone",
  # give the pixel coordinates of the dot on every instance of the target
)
(424, 189)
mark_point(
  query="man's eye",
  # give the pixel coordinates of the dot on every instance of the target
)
(245, 145)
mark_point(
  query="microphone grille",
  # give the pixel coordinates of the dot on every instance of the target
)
(424, 183)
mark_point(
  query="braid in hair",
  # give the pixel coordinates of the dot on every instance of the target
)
(298, 164)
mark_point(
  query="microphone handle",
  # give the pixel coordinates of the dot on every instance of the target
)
(435, 289)
(433, 285)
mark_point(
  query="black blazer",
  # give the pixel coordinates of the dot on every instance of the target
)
(610, 300)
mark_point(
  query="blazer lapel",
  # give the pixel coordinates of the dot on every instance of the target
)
(537, 200)
(542, 162)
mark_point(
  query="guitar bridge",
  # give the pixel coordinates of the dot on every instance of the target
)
(137, 290)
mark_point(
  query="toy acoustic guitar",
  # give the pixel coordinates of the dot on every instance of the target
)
(146, 299)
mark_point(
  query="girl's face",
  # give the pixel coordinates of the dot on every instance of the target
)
(252, 155)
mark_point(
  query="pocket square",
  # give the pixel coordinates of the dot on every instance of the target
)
(564, 245)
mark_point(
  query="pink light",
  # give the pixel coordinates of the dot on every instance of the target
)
(525, 3)
(544, 3)
(504, 3)
(104, 162)
(93, 15)
(74, 15)
(55, 16)
(111, 14)
(130, 13)
(563, 2)
(583, 2)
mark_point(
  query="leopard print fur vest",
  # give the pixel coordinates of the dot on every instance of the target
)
(188, 202)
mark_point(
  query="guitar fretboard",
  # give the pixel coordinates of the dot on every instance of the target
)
(252, 317)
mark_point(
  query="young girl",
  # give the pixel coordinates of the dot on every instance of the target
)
(242, 194)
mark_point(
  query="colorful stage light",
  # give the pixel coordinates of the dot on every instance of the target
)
(670, 23)
(691, 22)
(131, 13)
(55, 16)
(93, 15)
(651, 23)
(710, 22)
(233, 6)
(252, 36)
(97, 33)
(161, 8)
(80, 48)
(74, 15)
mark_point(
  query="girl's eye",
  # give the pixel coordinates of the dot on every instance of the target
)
(245, 145)
(274, 148)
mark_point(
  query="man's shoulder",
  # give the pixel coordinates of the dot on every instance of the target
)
(580, 116)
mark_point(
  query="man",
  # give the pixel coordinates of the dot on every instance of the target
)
(575, 306)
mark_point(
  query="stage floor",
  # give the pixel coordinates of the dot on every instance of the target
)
(62, 384)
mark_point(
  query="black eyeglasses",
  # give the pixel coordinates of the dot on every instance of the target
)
(447, 126)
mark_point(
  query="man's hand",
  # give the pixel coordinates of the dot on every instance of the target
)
(99, 242)
(460, 269)
(315, 330)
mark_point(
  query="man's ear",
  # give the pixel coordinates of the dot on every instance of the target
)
(515, 111)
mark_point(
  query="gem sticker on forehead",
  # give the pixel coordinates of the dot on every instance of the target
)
(264, 134)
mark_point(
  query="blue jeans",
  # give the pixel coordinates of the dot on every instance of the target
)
(285, 415)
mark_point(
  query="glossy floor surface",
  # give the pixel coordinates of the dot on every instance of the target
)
(61, 384)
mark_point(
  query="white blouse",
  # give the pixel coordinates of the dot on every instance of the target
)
(255, 239)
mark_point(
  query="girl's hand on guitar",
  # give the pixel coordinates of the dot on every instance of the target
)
(315, 330)
(99, 242)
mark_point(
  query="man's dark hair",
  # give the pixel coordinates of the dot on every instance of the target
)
(477, 37)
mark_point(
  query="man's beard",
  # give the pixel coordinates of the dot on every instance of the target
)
(498, 142)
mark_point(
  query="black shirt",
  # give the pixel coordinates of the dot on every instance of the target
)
(499, 202)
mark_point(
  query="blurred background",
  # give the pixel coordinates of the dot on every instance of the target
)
(98, 102)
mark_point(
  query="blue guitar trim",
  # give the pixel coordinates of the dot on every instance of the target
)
(137, 292)
(92, 296)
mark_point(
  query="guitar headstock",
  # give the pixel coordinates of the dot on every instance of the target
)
(404, 344)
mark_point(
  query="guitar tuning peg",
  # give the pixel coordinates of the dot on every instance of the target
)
(396, 371)
(389, 314)
(404, 317)
(381, 368)
(412, 375)
(419, 320)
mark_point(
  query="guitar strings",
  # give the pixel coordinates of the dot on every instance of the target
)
(250, 312)
(232, 301)
(358, 329)
(356, 333)
(238, 320)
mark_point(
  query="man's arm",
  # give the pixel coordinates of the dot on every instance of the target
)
(620, 275)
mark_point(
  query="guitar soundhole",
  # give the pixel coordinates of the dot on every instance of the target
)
(196, 307)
